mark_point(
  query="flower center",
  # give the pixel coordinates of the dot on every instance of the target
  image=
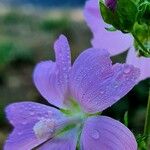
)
(51, 127)
(73, 117)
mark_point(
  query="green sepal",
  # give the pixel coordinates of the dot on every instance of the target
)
(144, 53)
(109, 16)
(127, 12)
(143, 35)
(123, 17)
(143, 15)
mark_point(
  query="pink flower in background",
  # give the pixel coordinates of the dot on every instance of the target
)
(141, 62)
(94, 83)
(115, 42)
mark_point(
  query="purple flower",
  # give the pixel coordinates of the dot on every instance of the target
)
(141, 62)
(94, 83)
(114, 42)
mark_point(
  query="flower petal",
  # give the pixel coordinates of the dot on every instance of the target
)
(141, 62)
(107, 134)
(96, 84)
(115, 42)
(51, 79)
(68, 141)
(23, 116)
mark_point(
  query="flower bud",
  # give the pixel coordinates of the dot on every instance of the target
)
(111, 4)
(121, 14)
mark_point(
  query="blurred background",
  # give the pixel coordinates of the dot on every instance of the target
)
(28, 29)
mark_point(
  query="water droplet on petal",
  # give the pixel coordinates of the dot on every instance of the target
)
(24, 122)
(127, 70)
(116, 85)
(64, 68)
(49, 113)
(101, 92)
(95, 134)
(31, 113)
(20, 133)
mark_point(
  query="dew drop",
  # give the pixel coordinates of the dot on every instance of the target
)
(116, 85)
(64, 68)
(20, 133)
(127, 70)
(49, 113)
(95, 134)
(34, 107)
(31, 113)
(101, 92)
(24, 122)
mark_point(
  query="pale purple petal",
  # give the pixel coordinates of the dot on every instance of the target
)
(51, 79)
(67, 141)
(23, 117)
(46, 79)
(141, 62)
(106, 134)
(96, 84)
(115, 42)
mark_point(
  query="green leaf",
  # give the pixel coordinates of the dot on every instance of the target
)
(127, 12)
(109, 16)
(144, 53)
(142, 33)
(123, 17)
(144, 12)
(126, 118)
(141, 142)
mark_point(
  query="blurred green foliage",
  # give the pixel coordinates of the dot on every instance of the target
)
(55, 25)
(6, 50)
(27, 37)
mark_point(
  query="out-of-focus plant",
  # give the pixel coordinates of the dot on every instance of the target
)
(130, 17)
(55, 24)
(119, 25)
(6, 51)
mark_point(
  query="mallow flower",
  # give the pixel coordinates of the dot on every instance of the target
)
(115, 42)
(80, 91)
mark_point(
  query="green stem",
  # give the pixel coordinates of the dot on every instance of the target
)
(147, 123)
(139, 43)
(148, 32)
